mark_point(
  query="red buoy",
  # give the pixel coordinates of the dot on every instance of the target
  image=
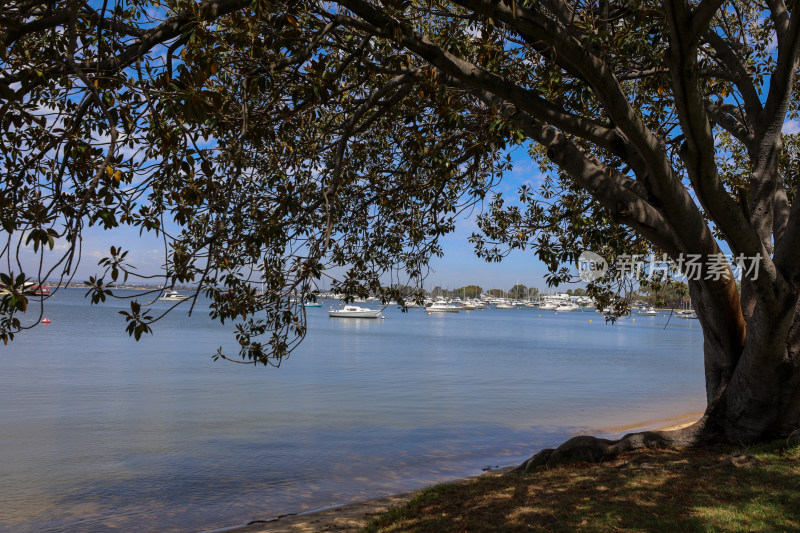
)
(46, 320)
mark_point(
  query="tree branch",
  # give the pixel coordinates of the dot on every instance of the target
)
(377, 23)
(573, 55)
(613, 190)
(782, 82)
(780, 17)
(700, 18)
(167, 30)
(733, 63)
(54, 20)
(698, 151)
(730, 118)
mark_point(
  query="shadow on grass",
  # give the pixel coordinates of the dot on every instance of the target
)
(663, 490)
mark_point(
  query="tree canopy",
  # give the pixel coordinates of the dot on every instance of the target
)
(272, 142)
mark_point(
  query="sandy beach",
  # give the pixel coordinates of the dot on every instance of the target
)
(354, 517)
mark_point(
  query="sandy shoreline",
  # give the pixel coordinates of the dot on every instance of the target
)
(352, 517)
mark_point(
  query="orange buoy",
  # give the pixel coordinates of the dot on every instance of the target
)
(46, 320)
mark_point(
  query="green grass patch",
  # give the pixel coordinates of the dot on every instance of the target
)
(711, 489)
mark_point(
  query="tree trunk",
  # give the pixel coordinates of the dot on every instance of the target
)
(724, 331)
(753, 388)
(762, 398)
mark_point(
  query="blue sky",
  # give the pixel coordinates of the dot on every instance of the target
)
(459, 266)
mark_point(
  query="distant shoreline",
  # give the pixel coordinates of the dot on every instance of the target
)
(353, 517)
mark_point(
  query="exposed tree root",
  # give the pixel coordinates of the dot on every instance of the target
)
(594, 450)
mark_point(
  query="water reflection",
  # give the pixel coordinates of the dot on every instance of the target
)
(101, 432)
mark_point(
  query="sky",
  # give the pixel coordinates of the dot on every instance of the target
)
(458, 267)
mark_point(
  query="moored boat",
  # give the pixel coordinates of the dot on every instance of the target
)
(41, 290)
(442, 307)
(354, 311)
(566, 308)
(29, 286)
(173, 296)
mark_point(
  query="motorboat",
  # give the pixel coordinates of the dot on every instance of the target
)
(354, 311)
(173, 296)
(548, 306)
(442, 307)
(686, 315)
(41, 290)
(312, 304)
(566, 308)
(31, 287)
(503, 305)
(648, 312)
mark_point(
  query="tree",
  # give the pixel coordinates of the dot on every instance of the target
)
(469, 291)
(518, 291)
(438, 291)
(273, 141)
(665, 294)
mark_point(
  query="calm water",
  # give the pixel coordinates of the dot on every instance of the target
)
(102, 433)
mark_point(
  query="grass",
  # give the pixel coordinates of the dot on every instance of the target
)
(649, 490)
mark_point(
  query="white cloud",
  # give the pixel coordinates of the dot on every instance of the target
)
(791, 126)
